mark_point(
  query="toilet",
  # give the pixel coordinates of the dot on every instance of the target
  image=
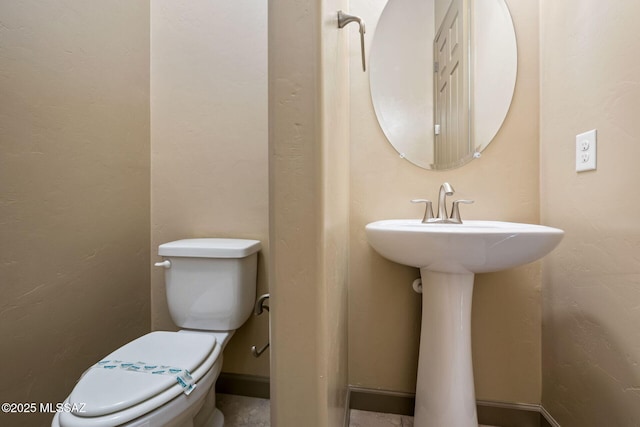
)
(167, 378)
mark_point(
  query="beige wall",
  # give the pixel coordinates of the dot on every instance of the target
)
(384, 312)
(590, 79)
(335, 201)
(209, 142)
(74, 191)
(309, 212)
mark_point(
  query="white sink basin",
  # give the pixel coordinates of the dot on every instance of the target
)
(470, 247)
(448, 256)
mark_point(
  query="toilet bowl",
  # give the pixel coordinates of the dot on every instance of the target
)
(167, 378)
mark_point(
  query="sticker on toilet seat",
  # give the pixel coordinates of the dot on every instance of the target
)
(182, 376)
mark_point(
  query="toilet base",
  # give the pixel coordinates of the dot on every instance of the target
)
(216, 419)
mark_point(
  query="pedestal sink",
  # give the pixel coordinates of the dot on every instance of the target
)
(448, 256)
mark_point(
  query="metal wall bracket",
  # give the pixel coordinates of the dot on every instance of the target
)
(258, 309)
(344, 19)
(258, 353)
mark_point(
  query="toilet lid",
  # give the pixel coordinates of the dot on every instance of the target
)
(105, 391)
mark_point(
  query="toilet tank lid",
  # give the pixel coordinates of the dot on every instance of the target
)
(210, 248)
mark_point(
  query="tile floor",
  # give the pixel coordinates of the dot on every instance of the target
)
(377, 419)
(242, 411)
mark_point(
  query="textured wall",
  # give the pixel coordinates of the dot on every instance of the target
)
(74, 191)
(335, 202)
(384, 312)
(209, 142)
(309, 212)
(590, 78)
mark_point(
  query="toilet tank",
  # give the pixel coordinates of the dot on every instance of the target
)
(211, 283)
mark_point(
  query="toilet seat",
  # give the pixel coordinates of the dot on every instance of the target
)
(113, 397)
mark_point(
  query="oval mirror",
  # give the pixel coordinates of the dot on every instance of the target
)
(441, 91)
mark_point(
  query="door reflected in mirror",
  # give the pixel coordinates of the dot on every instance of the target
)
(442, 76)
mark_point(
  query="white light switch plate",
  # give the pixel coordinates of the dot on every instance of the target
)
(586, 151)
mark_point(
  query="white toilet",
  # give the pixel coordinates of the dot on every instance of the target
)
(167, 378)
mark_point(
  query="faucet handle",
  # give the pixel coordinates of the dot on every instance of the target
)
(455, 210)
(428, 209)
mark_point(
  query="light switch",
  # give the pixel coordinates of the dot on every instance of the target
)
(586, 151)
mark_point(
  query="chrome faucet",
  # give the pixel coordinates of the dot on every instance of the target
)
(443, 217)
(445, 190)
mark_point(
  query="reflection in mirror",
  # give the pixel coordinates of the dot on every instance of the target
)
(416, 50)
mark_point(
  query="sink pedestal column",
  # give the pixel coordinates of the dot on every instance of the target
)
(445, 395)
